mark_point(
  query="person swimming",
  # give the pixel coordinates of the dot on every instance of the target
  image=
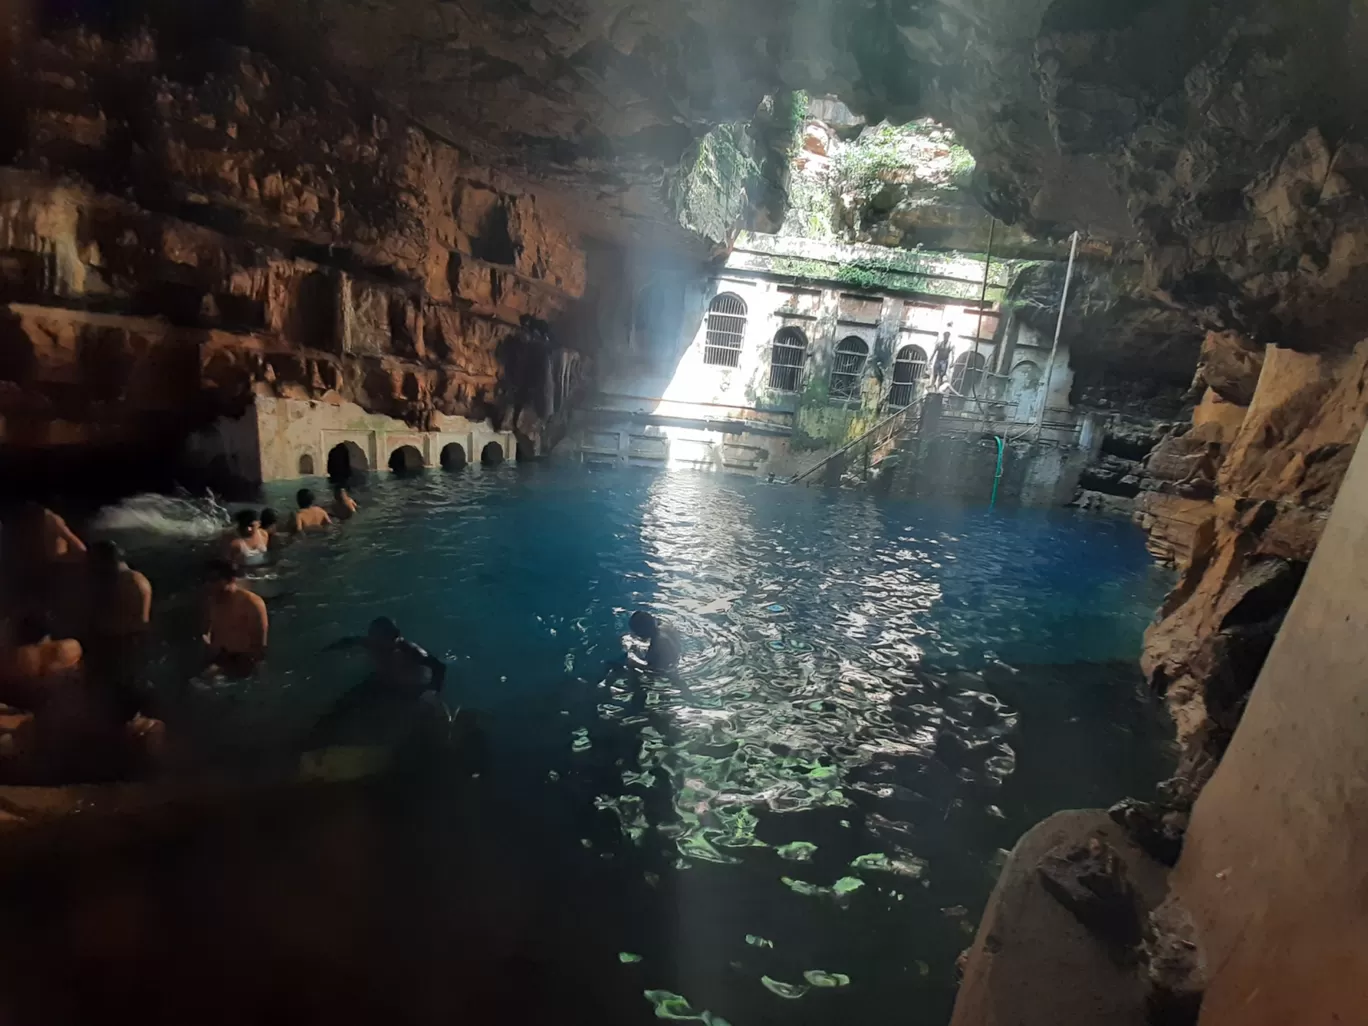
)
(39, 554)
(270, 524)
(665, 648)
(343, 504)
(120, 613)
(308, 516)
(398, 665)
(38, 666)
(238, 623)
(247, 543)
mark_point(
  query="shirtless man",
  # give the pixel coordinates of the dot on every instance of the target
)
(665, 647)
(398, 665)
(270, 524)
(237, 622)
(308, 516)
(39, 665)
(248, 542)
(120, 612)
(38, 544)
(343, 504)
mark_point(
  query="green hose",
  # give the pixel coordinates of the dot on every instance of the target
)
(997, 475)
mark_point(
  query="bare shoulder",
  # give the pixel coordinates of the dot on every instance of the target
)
(66, 653)
(255, 601)
(140, 580)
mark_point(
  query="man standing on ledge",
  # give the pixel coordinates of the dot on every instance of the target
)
(940, 361)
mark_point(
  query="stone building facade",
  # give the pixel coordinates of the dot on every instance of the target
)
(783, 356)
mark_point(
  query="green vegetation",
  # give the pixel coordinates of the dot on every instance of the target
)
(906, 271)
(798, 112)
(712, 188)
(877, 157)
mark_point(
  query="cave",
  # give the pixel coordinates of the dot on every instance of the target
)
(956, 389)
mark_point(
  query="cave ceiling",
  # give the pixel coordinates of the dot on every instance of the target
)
(1223, 138)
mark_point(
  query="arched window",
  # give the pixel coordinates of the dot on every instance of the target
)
(847, 368)
(967, 376)
(909, 365)
(786, 360)
(726, 331)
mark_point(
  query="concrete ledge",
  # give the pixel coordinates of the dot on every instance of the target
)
(1032, 963)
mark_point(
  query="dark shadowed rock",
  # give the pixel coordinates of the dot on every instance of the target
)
(1090, 881)
(1155, 827)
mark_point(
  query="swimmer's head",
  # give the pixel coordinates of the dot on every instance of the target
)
(106, 556)
(269, 519)
(246, 521)
(643, 624)
(339, 492)
(222, 573)
(305, 498)
(32, 628)
(382, 628)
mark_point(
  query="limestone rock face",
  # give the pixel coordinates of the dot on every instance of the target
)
(1270, 488)
(171, 244)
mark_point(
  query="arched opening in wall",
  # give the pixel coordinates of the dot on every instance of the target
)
(492, 454)
(726, 331)
(967, 376)
(847, 368)
(909, 367)
(406, 460)
(786, 360)
(306, 465)
(452, 457)
(346, 461)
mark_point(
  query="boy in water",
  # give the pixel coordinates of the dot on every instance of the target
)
(247, 543)
(308, 516)
(238, 624)
(120, 611)
(270, 525)
(343, 504)
(665, 648)
(39, 665)
(398, 665)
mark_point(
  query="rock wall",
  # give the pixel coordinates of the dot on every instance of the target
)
(1257, 482)
(181, 232)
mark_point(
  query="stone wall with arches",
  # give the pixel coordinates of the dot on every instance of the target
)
(300, 438)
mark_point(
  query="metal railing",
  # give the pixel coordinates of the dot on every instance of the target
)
(880, 435)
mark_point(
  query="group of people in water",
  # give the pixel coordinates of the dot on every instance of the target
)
(74, 698)
(238, 625)
(74, 695)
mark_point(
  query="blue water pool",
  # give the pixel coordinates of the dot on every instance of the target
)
(876, 698)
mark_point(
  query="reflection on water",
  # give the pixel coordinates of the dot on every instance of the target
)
(799, 826)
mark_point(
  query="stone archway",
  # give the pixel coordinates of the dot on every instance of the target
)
(346, 460)
(406, 460)
(452, 457)
(306, 465)
(492, 454)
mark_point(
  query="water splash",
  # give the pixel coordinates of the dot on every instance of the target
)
(172, 516)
